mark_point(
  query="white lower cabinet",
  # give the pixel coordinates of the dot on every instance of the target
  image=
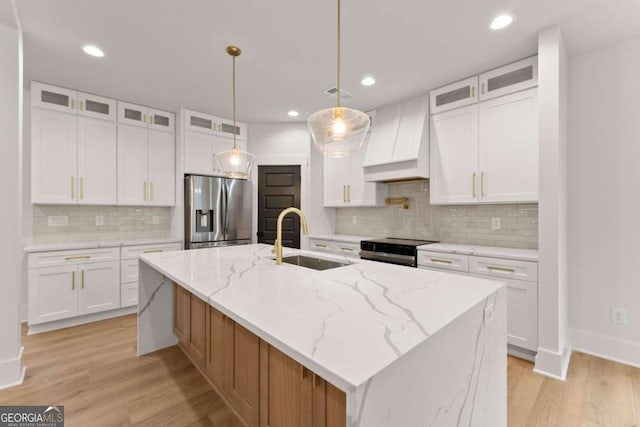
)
(129, 269)
(522, 289)
(336, 247)
(73, 286)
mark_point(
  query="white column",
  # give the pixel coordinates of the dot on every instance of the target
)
(553, 347)
(11, 370)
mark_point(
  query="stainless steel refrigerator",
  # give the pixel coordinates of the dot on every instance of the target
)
(217, 211)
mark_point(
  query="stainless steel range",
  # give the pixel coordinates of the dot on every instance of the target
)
(392, 250)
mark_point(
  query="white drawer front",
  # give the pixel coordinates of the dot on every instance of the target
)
(129, 270)
(503, 268)
(349, 249)
(133, 252)
(443, 261)
(56, 258)
(129, 294)
(321, 245)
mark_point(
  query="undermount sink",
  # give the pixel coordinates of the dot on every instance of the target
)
(312, 262)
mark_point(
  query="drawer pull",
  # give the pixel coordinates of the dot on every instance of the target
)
(347, 249)
(505, 269)
(150, 251)
(73, 280)
(82, 279)
(320, 245)
(71, 258)
(443, 261)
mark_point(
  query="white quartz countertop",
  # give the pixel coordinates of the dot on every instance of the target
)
(340, 237)
(46, 247)
(486, 251)
(347, 324)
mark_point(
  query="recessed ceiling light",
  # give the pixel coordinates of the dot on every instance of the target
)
(501, 21)
(293, 113)
(368, 81)
(93, 51)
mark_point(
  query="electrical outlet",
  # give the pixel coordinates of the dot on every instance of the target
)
(495, 223)
(155, 219)
(354, 219)
(58, 221)
(619, 315)
(99, 220)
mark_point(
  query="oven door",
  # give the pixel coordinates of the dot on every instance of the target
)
(407, 260)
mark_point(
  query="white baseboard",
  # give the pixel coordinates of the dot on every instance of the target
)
(552, 364)
(11, 371)
(606, 347)
(80, 320)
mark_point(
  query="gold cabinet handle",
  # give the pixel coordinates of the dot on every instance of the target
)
(344, 193)
(440, 260)
(81, 188)
(73, 280)
(74, 257)
(144, 190)
(151, 118)
(348, 193)
(150, 251)
(73, 104)
(82, 279)
(482, 184)
(505, 269)
(473, 91)
(73, 188)
(81, 105)
(346, 249)
(151, 190)
(144, 118)
(474, 185)
(320, 245)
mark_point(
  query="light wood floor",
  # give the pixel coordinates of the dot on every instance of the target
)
(93, 371)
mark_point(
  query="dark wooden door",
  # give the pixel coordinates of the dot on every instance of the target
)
(278, 189)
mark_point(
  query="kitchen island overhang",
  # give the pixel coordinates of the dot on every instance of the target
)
(407, 346)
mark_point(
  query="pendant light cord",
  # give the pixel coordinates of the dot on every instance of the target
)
(235, 145)
(338, 50)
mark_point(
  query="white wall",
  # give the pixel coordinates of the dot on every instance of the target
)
(11, 370)
(290, 144)
(604, 200)
(553, 348)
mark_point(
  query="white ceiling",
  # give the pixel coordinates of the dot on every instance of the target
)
(171, 53)
(6, 13)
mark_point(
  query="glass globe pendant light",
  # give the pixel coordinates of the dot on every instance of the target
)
(338, 131)
(235, 163)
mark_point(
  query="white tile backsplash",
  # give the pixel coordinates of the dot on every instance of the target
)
(469, 224)
(119, 223)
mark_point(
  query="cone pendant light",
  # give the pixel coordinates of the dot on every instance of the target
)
(235, 163)
(338, 131)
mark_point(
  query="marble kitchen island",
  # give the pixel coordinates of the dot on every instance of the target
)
(408, 347)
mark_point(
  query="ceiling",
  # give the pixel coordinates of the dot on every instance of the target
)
(6, 14)
(171, 53)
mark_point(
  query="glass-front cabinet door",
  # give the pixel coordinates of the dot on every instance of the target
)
(96, 106)
(162, 120)
(53, 98)
(509, 79)
(454, 95)
(199, 122)
(224, 127)
(132, 114)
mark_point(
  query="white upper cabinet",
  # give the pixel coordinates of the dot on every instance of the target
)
(454, 156)
(454, 95)
(162, 168)
(53, 157)
(97, 147)
(508, 162)
(488, 152)
(53, 98)
(203, 136)
(133, 165)
(96, 106)
(344, 181)
(510, 78)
